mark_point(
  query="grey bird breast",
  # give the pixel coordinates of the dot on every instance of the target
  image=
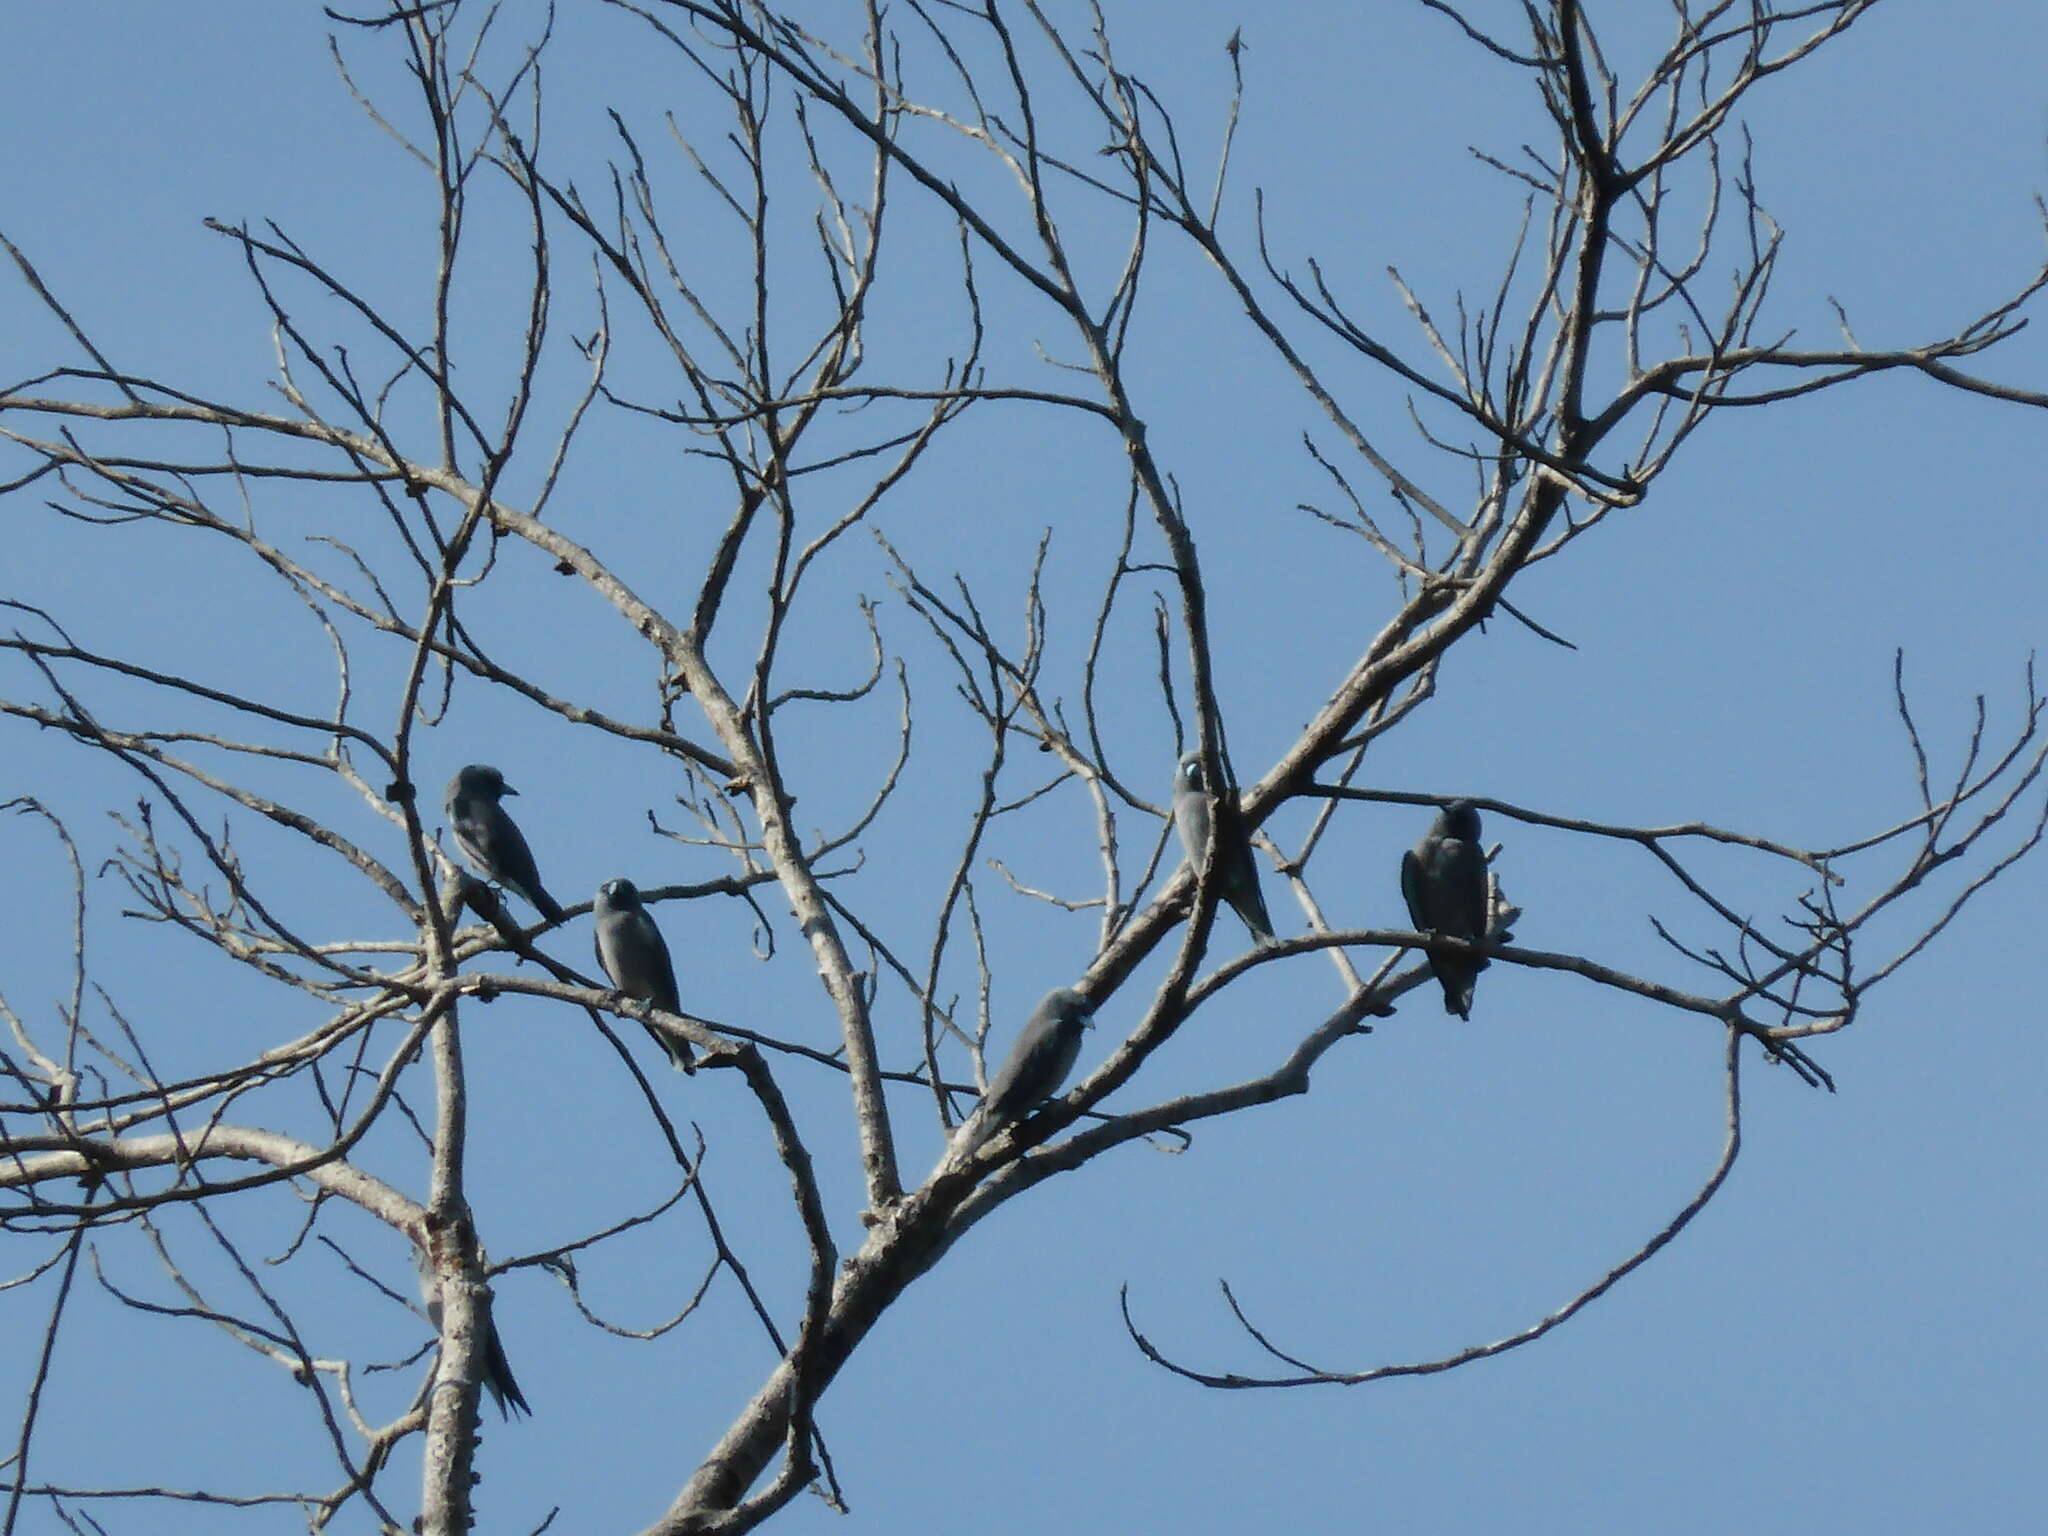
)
(1191, 809)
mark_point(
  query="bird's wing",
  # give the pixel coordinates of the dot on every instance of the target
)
(661, 969)
(510, 859)
(1065, 1051)
(1245, 894)
(1412, 891)
(1013, 1089)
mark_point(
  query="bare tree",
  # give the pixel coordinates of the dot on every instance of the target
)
(987, 199)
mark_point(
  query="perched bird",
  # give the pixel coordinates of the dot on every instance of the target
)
(1037, 1065)
(491, 840)
(633, 954)
(1193, 810)
(498, 1378)
(1444, 880)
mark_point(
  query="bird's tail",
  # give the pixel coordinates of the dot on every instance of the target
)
(1253, 913)
(967, 1140)
(678, 1051)
(1458, 994)
(498, 1378)
(974, 1130)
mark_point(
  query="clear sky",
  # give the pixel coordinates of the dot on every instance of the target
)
(1850, 1338)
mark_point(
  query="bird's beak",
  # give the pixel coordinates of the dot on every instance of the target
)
(508, 790)
(1088, 1020)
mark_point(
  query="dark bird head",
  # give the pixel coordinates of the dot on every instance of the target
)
(1460, 819)
(1190, 776)
(1066, 1006)
(618, 896)
(480, 781)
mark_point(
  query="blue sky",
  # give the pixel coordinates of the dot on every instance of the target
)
(1850, 1337)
